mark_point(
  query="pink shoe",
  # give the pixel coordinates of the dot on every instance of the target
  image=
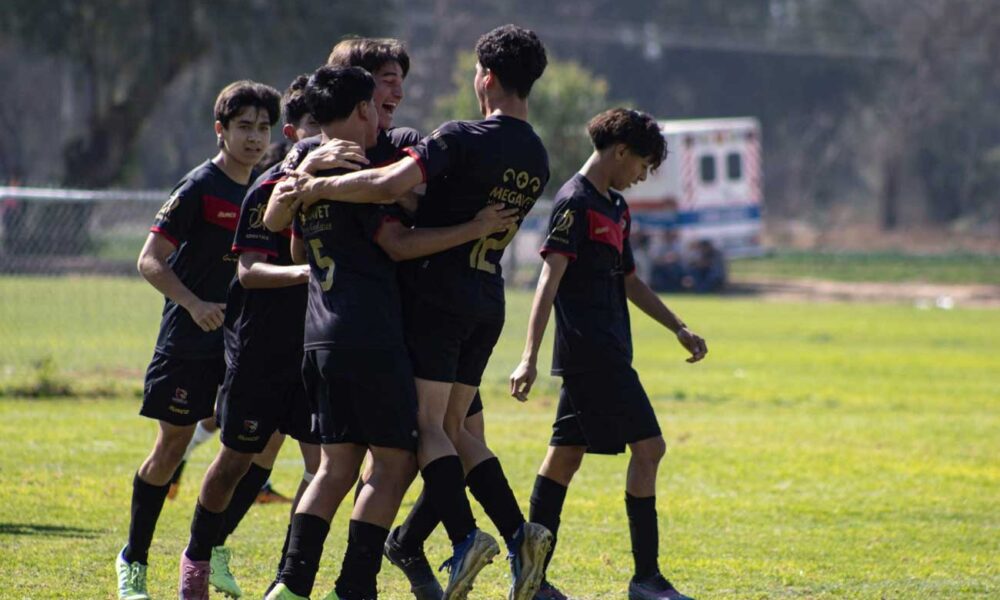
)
(194, 578)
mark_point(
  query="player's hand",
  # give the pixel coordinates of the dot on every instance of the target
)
(522, 379)
(208, 315)
(494, 218)
(286, 192)
(304, 192)
(334, 154)
(693, 343)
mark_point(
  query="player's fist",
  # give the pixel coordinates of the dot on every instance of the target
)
(334, 154)
(693, 343)
(522, 379)
(494, 218)
(207, 315)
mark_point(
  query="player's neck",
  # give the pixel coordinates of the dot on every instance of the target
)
(598, 173)
(507, 105)
(344, 130)
(234, 169)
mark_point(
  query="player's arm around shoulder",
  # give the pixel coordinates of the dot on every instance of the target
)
(372, 186)
(404, 243)
(648, 302)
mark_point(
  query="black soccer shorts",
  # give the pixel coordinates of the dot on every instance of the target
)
(448, 347)
(604, 411)
(362, 396)
(181, 391)
(253, 403)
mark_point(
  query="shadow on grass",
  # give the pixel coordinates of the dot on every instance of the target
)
(38, 529)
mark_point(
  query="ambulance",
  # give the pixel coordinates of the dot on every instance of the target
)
(709, 187)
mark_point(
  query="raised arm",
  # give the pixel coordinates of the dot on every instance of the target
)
(153, 267)
(526, 372)
(648, 302)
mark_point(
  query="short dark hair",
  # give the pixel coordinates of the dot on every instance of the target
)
(515, 55)
(240, 94)
(293, 102)
(369, 53)
(637, 130)
(332, 93)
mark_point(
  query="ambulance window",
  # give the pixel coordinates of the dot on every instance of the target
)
(707, 168)
(734, 166)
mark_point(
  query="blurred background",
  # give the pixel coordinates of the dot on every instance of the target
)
(870, 150)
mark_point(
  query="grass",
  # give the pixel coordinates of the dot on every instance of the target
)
(879, 266)
(827, 451)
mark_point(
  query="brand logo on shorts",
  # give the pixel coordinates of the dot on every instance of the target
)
(250, 426)
(180, 396)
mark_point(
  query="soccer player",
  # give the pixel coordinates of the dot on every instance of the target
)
(187, 258)
(589, 275)
(262, 395)
(455, 299)
(357, 373)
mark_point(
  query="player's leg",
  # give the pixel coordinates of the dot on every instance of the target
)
(178, 393)
(336, 476)
(527, 543)
(393, 469)
(203, 432)
(549, 495)
(638, 426)
(266, 494)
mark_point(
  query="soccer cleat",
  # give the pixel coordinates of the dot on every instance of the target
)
(547, 591)
(418, 571)
(281, 592)
(221, 577)
(194, 578)
(268, 495)
(655, 587)
(471, 555)
(529, 547)
(131, 579)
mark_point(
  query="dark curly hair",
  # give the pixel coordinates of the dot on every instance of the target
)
(293, 102)
(240, 94)
(333, 93)
(369, 53)
(515, 55)
(637, 130)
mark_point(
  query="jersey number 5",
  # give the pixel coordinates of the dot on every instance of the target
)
(323, 262)
(477, 259)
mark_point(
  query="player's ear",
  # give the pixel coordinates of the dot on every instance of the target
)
(621, 151)
(218, 134)
(288, 130)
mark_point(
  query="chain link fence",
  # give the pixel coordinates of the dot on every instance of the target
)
(76, 317)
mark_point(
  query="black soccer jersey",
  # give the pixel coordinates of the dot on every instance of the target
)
(387, 147)
(200, 218)
(264, 325)
(353, 295)
(468, 165)
(592, 320)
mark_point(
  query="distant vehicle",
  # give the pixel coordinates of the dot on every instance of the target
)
(710, 187)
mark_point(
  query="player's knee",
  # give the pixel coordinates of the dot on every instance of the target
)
(649, 451)
(565, 461)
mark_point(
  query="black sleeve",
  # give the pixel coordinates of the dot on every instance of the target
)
(178, 216)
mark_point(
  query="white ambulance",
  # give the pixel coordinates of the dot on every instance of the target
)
(709, 187)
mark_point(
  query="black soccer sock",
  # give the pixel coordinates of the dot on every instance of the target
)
(645, 538)
(444, 482)
(205, 528)
(417, 526)
(284, 549)
(489, 485)
(176, 477)
(243, 498)
(362, 561)
(547, 500)
(147, 502)
(305, 547)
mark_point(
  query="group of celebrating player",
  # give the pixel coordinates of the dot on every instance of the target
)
(367, 299)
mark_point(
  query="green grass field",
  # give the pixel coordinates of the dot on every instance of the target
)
(821, 451)
(871, 266)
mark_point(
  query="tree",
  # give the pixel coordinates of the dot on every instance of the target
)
(561, 103)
